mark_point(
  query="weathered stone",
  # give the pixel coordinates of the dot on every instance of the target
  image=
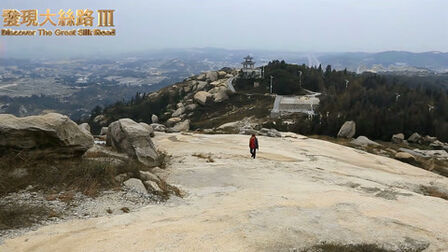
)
(429, 139)
(180, 105)
(103, 131)
(120, 178)
(269, 132)
(201, 85)
(415, 138)
(182, 126)
(191, 107)
(172, 121)
(146, 175)
(201, 97)
(100, 119)
(158, 127)
(212, 75)
(152, 186)
(398, 138)
(438, 145)
(222, 74)
(247, 130)
(220, 96)
(348, 130)
(405, 157)
(85, 126)
(178, 112)
(201, 77)
(149, 128)
(51, 134)
(363, 141)
(154, 119)
(129, 137)
(135, 185)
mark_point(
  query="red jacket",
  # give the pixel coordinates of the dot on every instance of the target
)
(253, 143)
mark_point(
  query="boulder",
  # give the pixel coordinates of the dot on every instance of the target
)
(85, 126)
(269, 132)
(180, 105)
(154, 119)
(247, 130)
(398, 138)
(103, 131)
(405, 157)
(50, 135)
(201, 85)
(181, 126)
(178, 112)
(158, 127)
(146, 175)
(415, 138)
(222, 74)
(100, 119)
(348, 130)
(201, 77)
(220, 96)
(120, 178)
(429, 139)
(152, 187)
(149, 128)
(135, 185)
(438, 145)
(211, 76)
(191, 107)
(129, 137)
(201, 97)
(172, 121)
(364, 141)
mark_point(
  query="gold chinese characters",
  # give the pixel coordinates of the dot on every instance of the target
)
(12, 17)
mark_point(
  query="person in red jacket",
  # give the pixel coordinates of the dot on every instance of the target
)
(253, 145)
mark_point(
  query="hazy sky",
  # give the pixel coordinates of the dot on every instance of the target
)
(289, 25)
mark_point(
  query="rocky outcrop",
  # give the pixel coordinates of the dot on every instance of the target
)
(201, 97)
(85, 126)
(398, 138)
(172, 121)
(100, 119)
(51, 134)
(269, 132)
(415, 138)
(154, 119)
(132, 138)
(181, 126)
(158, 127)
(211, 76)
(152, 187)
(364, 141)
(405, 157)
(103, 131)
(149, 128)
(348, 130)
(178, 112)
(135, 185)
(220, 95)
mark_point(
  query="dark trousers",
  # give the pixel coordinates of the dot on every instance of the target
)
(253, 152)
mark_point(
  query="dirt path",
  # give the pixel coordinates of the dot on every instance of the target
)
(297, 193)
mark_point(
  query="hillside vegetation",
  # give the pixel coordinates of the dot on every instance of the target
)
(381, 105)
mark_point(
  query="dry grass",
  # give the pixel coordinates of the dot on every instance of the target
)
(20, 216)
(433, 192)
(332, 247)
(76, 175)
